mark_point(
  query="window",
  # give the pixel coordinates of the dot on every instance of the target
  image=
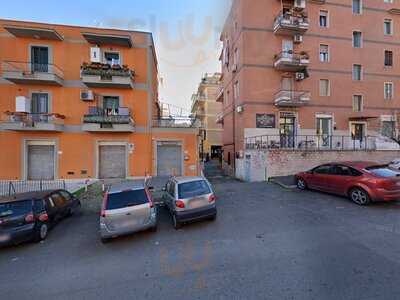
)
(388, 90)
(193, 189)
(388, 1)
(357, 39)
(357, 7)
(110, 105)
(324, 53)
(323, 18)
(126, 199)
(324, 87)
(15, 208)
(358, 103)
(236, 90)
(236, 57)
(388, 58)
(112, 58)
(357, 69)
(323, 170)
(40, 59)
(388, 27)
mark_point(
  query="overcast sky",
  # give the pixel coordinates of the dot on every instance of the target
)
(186, 32)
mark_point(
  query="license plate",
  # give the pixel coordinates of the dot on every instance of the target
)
(196, 203)
(4, 238)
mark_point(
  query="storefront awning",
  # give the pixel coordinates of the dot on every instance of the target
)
(34, 32)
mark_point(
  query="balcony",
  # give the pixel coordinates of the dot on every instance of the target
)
(100, 119)
(291, 24)
(175, 122)
(20, 121)
(98, 75)
(289, 61)
(32, 73)
(286, 98)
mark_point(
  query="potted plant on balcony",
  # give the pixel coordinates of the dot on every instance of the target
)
(304, 55)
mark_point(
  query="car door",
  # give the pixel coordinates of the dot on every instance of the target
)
(51, 208)
(60, 204)
(341, 179)
(70, 204)
(319, 177)
(171, 195)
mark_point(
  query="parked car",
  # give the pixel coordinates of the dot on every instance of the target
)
(189, 199)
(29, 216)
(127, 208)
(395, 164)
(362, 182)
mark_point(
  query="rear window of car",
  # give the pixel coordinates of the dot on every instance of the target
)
(193, 189)
(383, 171)
(15, 208)
(126, 199)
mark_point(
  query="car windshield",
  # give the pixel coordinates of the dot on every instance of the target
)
(193, 189)
(15, 208)
(126, 199)
(383, 171)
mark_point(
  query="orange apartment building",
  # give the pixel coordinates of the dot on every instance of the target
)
(80, 102)
(320, 68)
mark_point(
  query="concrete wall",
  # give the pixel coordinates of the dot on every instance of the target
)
(261, 165)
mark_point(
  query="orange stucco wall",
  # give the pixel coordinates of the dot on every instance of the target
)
(76, 148)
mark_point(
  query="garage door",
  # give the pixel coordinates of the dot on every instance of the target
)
(112, 161)
(169, 159)
(41, 162)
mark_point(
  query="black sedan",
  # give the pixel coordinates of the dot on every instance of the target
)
(29, 216)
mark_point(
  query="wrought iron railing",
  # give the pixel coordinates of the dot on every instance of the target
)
(285, 19)
(28, 68)
(106, 71)
(12, 187)
(30, 119)
(311, 142)
(292, 97)
(119, 115)
(294, 57)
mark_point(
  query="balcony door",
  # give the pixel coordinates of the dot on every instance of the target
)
(40, 107)
(324, 131)
(40, 59)
(111, 105)
(287, 84)
(287, 129)
(287, 48)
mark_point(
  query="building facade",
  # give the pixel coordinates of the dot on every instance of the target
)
(322, 69)
(207, 110)
(79, 102)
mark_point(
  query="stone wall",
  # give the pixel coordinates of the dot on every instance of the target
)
(262, 165)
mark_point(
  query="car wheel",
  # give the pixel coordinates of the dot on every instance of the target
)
(301, 184)
(359, 196)
(213, 217)
(176, 223)
(42, 232)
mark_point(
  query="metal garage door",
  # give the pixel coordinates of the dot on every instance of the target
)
(112, 161)
(41, 162)
(169, 159)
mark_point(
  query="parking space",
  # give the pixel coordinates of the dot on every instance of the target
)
(268, 242)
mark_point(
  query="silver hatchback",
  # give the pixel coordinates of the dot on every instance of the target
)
(189, 199)
(127, 208)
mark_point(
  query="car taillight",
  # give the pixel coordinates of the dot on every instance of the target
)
(179, 204)
(212, 198)
(29, 218)
(44, 217)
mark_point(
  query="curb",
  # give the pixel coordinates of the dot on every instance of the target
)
(289, 187)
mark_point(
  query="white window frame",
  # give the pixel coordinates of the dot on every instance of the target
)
(362, 102)
(361, 72)
(391, 27)
(392, 90)
(327, 18)
(361, 8)
(329, 54)
(361, 38)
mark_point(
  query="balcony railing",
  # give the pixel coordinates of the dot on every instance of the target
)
(20, 121)
(106, 75)
(99, 115)
(291, 61)
(290, 24)
(31, 72)
(292, 98)
(177, 122)
(311, 142)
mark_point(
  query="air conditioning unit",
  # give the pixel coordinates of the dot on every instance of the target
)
(22, 104)
(298, 38)
(234, 68)
(95, 54)
(299, 76)
(239, 109)
(299, 4)
(87, 95)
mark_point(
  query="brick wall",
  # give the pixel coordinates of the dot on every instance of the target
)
(286, 162)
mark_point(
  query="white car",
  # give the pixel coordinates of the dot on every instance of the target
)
(395, 164)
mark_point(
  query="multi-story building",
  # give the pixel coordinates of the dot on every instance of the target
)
(79, 102)
(207, 110)
(320, 68)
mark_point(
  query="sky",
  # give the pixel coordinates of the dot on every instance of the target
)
(186, 32)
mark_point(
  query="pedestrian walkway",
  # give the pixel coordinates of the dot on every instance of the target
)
(212, 169)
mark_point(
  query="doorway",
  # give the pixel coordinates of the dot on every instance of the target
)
(287, 48)
(324, 131)
(358, 131)
(40, 59)
(287, 129)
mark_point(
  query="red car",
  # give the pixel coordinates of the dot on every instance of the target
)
(362, 182)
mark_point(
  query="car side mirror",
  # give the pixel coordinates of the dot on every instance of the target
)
(151, 188)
